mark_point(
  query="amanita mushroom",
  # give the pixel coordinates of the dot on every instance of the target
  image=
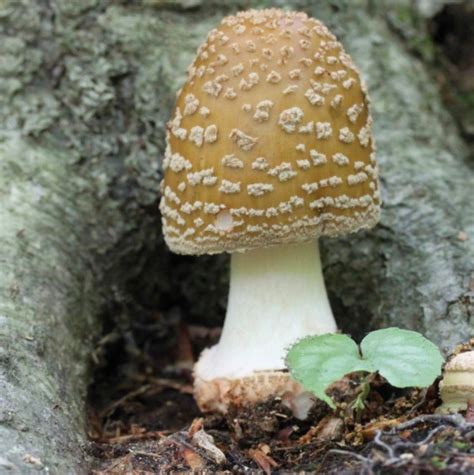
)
(456, 388)
(270, 147)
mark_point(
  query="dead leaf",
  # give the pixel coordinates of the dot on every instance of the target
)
(332, 430)
(195, 426)
(206, 442)
(193, 459)
(265, 448)
(328, 428)
(184, 358)
(370, 429)
(264, 461)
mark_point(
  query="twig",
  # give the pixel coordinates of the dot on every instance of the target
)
(432, 434)
(455, 419)
(368, 464)
(111, 408)
(381, 443)
(146, 454)
(131, 437)
(419, 403)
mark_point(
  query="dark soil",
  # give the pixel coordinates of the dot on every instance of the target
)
(143, 419)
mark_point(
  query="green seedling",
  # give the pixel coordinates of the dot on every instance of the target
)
(404, 358)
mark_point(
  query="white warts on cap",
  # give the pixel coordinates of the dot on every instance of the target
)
(306, 129)
(229, 187)
(204, 111)
(231, 161)
(242, 140)
(262, 112)
(213, 88)
(354, 111)
(238, 69)
(314, 98)
(336, 101)
(310, 187)
(284, 172)
(273, 77)
(196, 178)
(317, 158)
(230, 93)
(295, 74)
(260, 163)
(290, 89)
(364, 135)
(305, 110)
(323, 130)
(259, 189)
(340, 159)
(191, 104)
(196, 135)
(347, 84)
(345, 135)
(251, 81)
(319, 71)
(178, 163)
(356, 179)
(210, 134)
(303, 164)
(290, 118)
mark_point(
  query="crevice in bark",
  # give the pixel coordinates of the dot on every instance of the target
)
(86, 88)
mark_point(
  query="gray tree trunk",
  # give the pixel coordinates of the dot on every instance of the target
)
(86, 88)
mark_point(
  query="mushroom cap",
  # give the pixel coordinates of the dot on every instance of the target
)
(457, 386)
(462, 362)
(270, 141)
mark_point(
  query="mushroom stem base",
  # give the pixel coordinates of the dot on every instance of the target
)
(277, 296)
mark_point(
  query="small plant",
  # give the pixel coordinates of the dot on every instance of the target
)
(404, 358)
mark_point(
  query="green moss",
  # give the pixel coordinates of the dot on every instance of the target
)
(413, 28)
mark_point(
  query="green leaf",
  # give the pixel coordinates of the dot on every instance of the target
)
(318, 361)
(404, 358)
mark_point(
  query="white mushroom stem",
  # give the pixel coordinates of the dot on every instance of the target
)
(276, 296)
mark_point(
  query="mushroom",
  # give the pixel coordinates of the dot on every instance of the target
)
(270, 147)
(456, 389)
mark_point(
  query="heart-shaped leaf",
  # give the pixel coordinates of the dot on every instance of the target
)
(403, 357)
(318, 361)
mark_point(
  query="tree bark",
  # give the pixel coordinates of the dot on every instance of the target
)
(86, 88)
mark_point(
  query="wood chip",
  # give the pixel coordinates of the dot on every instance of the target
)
(195, 426)
(369, 430)
(264, 461)
(193, 459)
(328, 428)
(206, 442)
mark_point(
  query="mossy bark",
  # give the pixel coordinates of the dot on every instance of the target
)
(86, 88)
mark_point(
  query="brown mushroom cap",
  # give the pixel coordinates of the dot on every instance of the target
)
(271, 139)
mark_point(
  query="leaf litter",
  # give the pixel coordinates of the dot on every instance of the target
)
(143, 419)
